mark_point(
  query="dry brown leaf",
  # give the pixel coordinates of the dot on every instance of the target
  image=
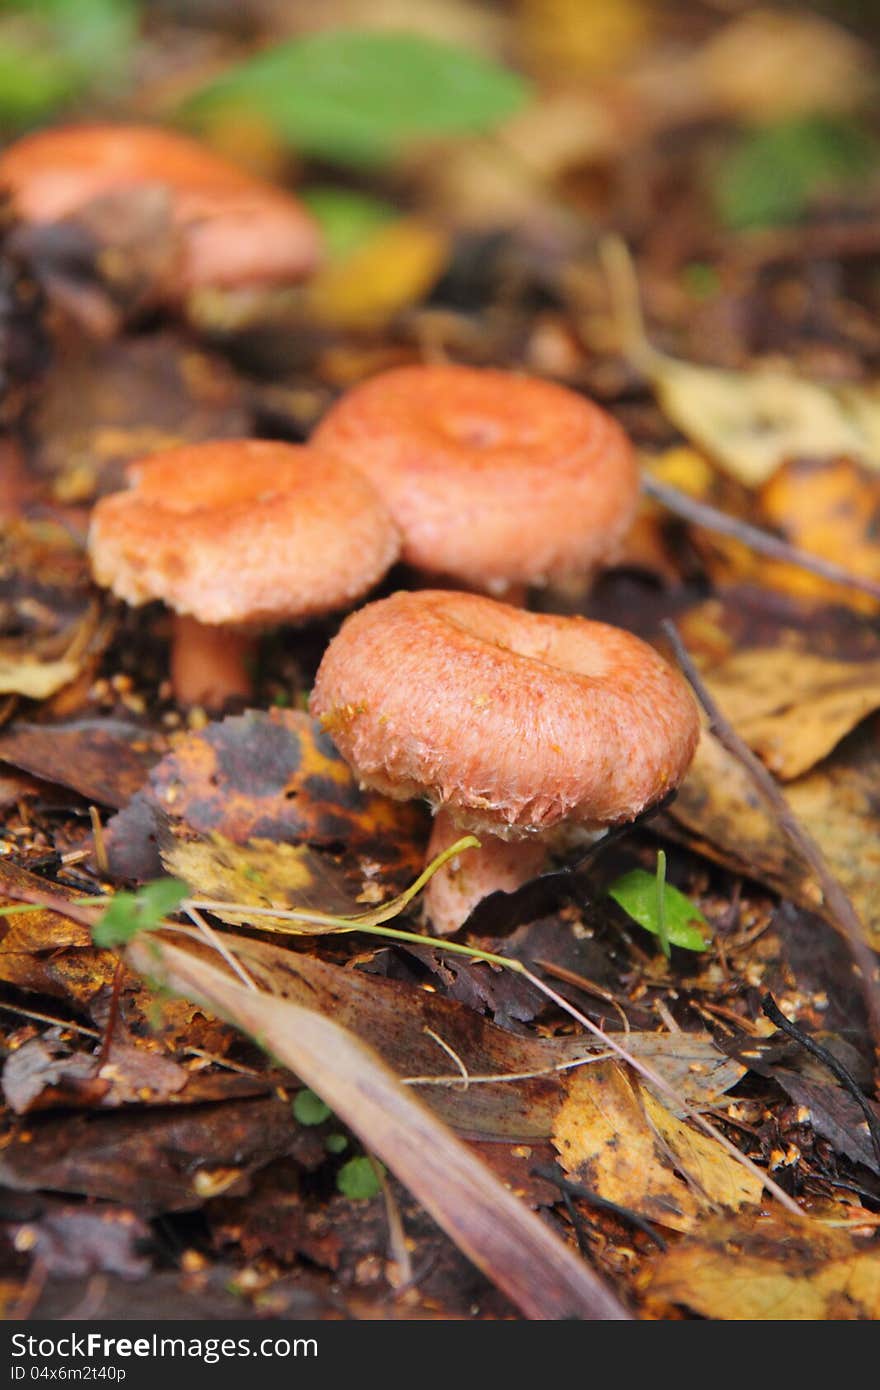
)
(411, 1028)
(511, 1245)
(763, 1268)
(619, 1140)
(793, 707)
(726, 819)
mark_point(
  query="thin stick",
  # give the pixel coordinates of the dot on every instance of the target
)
(841, 911)
(762, 542)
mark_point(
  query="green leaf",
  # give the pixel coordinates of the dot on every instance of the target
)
(636, 893)
(359, 1178)
(130, 913)
(347, 219)
(771, 176)
(336, 1143)
(309, 1109)
(356, 96)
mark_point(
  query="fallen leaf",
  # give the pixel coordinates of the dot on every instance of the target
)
(74, 1242)
(620, 1141)
(411, 1028)
(501, 1236)
(766, 1268)
(45, 1073)
(105, 760)
(158, 1161)
(792, 706)
(722, 814)
(260, 809)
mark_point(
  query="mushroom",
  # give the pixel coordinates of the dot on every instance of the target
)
(233, 230)
(512, 724)
(495, 480)
(236, 535)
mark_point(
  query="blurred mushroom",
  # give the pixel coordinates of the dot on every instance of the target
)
(227, 229)
(236, 535)
(511, 724)
(495, 480)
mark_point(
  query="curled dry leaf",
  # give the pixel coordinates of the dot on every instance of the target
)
(762, 1268)
(51, 625)
(620, 1141)
(511, 1245)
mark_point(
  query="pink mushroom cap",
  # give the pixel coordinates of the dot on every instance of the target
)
(242, 532)
(513, 721)
(235, 230)
(494, 479)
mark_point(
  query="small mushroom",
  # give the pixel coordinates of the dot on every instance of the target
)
(511, 724)
(233, 230)
(237, 535)
(495, 480)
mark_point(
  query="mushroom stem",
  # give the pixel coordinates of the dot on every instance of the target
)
(209, 665)
(455, 890)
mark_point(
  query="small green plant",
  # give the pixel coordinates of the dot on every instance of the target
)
(309, 1109)
(130, 913)
(336, 1143)
(660, 908)
(360, 1178)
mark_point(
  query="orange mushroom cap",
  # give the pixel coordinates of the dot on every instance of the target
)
(493, 478)
(235, 229)
(514, 721)
(242, 531)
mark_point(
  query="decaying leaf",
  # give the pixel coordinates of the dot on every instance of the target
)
(391, 271)
(793, 706)
(105, 760)
(411, 1029)
(261, 809)
(107, 404)
(770, 1268)
(623, 1143)
(521, 1255)
(722, 813)
(51, 623)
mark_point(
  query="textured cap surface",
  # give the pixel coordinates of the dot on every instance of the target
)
(516, 721)
(242, 531)
(492, 478)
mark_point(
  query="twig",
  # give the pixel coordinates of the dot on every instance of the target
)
(834, 1065)
(841, 911)
(762, 542)
(576, 1189)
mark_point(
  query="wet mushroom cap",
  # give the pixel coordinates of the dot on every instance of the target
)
(242, 532)
(235, 229)
(493, 478)
(514, 721)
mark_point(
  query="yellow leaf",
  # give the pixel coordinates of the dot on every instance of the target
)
(777, 1269)
(392, 270)
(618, 1139)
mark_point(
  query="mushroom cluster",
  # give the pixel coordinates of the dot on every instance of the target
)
(508, 722)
